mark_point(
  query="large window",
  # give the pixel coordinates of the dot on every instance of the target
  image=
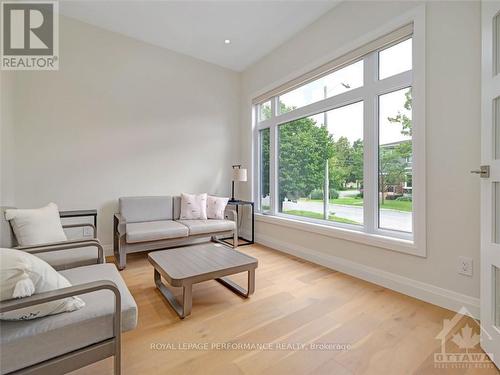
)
(338, 149)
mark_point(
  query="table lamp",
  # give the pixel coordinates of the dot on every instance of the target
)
(239, 175)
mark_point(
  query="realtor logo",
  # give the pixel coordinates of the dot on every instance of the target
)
(29, 35)
(460, 344)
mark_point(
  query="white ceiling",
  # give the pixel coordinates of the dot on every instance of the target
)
(199, 28)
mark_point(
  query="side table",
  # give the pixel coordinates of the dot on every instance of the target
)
(242, 241)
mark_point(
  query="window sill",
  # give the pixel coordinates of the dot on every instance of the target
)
(384, 242)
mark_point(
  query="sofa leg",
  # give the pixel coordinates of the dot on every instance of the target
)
(235, 240)
(117, 364)
(120, 258)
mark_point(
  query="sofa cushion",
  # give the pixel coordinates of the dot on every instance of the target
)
(155, 230)
(208, 226)
(24, 343)
(194, 206)
(138, 209)
(23, 274)
(36, 225)
(176, 200)
(216, 207)
(65, 259)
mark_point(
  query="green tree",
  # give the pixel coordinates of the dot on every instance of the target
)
(304, 148)
(402, 119)
(393, 161)
(356, 172)
(339, 164)
(265, 162)
(392, 169)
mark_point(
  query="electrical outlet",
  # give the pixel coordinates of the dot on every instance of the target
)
(465, 266)
(88, 232)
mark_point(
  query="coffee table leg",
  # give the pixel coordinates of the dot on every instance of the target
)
(251, 281)
(187, 297)
(231, 285)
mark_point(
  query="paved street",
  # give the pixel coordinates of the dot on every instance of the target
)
(391, 219)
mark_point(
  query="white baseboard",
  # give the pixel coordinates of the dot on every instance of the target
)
(426, 292)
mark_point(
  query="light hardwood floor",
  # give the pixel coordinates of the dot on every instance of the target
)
(295, 302)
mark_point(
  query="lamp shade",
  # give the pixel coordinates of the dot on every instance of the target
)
(239, 174)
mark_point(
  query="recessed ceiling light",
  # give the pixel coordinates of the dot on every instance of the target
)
(227, 41)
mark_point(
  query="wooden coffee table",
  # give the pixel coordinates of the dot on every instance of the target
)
(185, 266)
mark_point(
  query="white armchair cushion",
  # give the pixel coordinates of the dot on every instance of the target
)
(216, 207)
(36, 226)
(23, 274)
(193, 207)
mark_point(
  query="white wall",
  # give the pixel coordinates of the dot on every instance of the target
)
(7, 162)
(120, 118)
(452, 141)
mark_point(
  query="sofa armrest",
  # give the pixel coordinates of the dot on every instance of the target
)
(66, 245)
(82, 225)
(232, 215)
(71, 291)
(50, 244)
(119, 224)
(54, 295)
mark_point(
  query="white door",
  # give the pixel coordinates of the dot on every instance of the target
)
(490, 180)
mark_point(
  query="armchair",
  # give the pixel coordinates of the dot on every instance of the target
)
(61, 343)
(81, 357)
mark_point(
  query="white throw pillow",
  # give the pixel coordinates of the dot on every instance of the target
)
(36, 226)
(193, 206)
(23, 274)
(216, 207)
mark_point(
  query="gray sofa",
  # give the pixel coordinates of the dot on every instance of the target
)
(153, 223)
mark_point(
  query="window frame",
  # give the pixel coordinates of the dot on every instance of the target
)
(369, 232)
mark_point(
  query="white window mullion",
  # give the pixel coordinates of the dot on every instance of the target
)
(370, 185)
(273, 168)
(257, 160)
(273, 158)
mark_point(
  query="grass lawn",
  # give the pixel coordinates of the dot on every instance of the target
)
(315, 215)
(389, 204)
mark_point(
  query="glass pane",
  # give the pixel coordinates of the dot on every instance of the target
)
(496, 287)
(265, 204)
(496, 44)
(264, 112)
(496, 126)
(396, 59)
(496, 213)
(304, 146)
(335, 83)
(395, 161)
(345, 167)
(321, 166)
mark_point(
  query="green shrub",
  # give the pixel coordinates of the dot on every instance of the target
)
(405, 198)
(316, 194)
(334, 194)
